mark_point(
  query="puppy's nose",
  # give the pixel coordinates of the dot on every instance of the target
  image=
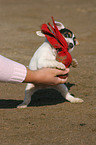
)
(70, 45)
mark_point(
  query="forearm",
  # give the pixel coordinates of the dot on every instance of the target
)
(11, 71)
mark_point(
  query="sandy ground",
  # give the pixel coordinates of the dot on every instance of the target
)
(49, 119)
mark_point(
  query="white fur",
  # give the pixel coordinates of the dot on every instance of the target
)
(45, 56)
(59, 25)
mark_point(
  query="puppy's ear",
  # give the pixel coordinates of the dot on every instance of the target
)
(39, 33)
(77, 42)
(59, 25)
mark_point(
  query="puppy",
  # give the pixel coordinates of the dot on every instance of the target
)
(45, 56)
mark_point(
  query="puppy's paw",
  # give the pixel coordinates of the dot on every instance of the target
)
(72, 99)
(22, 106)
(76, 100)
(60, 66)
(74, 62)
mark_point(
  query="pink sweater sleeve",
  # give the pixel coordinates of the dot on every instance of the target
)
(11, 71)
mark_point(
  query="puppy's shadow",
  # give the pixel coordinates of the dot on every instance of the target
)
(48, 97)
(42, 97)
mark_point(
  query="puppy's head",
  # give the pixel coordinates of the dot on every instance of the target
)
(70, 38)
(67, 34)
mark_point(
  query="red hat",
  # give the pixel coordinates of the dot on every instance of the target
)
(56, 39)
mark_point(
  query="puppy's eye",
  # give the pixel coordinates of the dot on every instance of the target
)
(68, 35)
(66, 32)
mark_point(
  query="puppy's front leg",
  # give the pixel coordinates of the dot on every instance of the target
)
(50, 63)
(74, 62)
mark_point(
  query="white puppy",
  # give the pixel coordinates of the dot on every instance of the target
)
(45, 56)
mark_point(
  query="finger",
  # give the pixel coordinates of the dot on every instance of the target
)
(61, 72)
(63, 80)
(60, 81)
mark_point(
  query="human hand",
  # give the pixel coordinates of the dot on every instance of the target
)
(47, 76)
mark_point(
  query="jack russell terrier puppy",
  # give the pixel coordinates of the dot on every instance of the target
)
(46, 56)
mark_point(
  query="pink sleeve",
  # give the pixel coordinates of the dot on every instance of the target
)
(11, 71)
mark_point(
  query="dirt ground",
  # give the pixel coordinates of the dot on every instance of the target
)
(49, 119)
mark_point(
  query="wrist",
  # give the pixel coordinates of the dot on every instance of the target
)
(29, 76)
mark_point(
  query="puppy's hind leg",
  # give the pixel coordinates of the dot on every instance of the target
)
(64, 91)
(29, 91)
(73, 99)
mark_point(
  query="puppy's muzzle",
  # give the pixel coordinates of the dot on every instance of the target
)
(70, 45)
